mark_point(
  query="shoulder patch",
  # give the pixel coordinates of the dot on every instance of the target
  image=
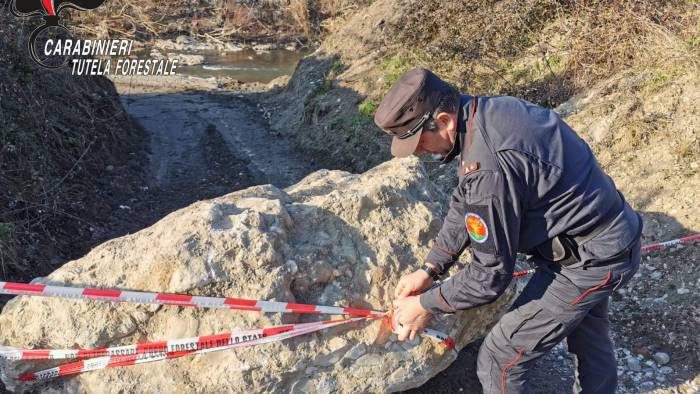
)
(479, 227)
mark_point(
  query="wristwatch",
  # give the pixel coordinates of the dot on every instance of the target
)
(431, 272)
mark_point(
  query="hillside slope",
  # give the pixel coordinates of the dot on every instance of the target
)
(63, 143)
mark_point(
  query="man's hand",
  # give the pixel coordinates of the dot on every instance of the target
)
(411, 316)
(414, 283)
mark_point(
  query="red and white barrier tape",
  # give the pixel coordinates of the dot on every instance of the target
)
(684, 240)
(167, 346)
(163, 350)
(155, 351)
(196, 347)
(106, 295)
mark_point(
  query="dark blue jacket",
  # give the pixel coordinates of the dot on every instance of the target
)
(525, 177)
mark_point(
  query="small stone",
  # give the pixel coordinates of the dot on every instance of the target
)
(646, 386)
(682, 291)
(291, 266)
(662, 358)
(666, 370)
(109, 168)
(182, 39)
(656, 275)
(633, 364)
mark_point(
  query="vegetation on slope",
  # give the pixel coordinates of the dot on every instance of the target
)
(59, 136)
(545, 51)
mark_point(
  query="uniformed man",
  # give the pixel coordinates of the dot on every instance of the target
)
(527, 183)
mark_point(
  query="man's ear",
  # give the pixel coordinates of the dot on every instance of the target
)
(448, 119)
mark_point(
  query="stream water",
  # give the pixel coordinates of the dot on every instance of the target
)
(245, 65)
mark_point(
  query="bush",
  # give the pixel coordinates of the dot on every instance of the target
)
(367, 107)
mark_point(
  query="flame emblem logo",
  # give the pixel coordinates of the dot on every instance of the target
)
(476, 227)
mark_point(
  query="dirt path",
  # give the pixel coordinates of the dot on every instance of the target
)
(201, 145)
(195, 137)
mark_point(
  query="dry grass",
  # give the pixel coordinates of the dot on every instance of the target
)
(220, 20)
(605, 37)
(544, 50)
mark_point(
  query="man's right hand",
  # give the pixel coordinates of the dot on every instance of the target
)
(412, 284)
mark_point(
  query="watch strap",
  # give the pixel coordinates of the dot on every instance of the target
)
(435, 275)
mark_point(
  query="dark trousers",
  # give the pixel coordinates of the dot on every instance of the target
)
(558, 303)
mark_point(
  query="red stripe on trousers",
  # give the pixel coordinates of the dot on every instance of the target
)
(509, 365)
(594, 288)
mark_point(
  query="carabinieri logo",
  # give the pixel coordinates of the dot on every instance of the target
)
(476, 227)
(51, 10)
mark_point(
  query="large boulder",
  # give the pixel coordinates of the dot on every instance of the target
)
(334, 238)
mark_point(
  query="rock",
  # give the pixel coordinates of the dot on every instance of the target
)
(184, 59)
(183, 39)
(662, 358)
(230, 47)
(666, 370)
(633, 364)
(263, 48)
(280, 81)
(257, 243)
(682, 291)
(291, 266)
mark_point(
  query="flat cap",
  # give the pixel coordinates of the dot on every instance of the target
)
(407, 106)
